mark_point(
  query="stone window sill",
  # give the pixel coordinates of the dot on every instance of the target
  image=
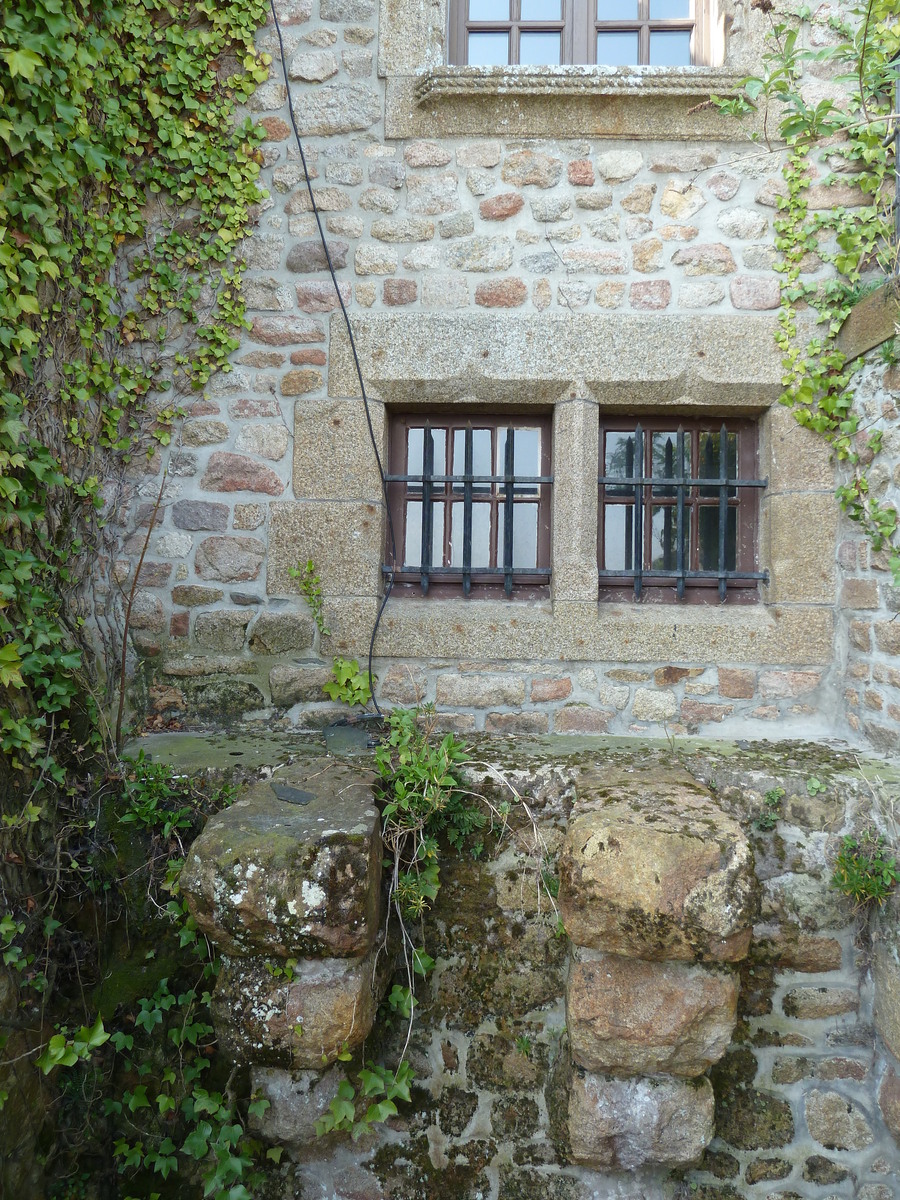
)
(575, 81)
(559, 102)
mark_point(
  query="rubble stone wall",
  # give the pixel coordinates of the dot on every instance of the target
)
(560, 240)
(704, 1015)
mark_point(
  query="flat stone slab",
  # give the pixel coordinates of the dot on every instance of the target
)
(629, 1016)
(302, 1016)
(629, 1123)
(652, 868)
(871, 320)
(293, 867)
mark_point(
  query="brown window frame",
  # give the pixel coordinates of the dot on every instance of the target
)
(579, 27)
(740, 493)
(456, 487)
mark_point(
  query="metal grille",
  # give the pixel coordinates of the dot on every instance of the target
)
(502, 495)
(676, 495)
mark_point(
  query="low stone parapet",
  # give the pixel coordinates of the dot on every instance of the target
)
(287, 883)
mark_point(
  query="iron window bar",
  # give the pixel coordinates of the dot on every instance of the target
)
(634, 552)
(469, 480)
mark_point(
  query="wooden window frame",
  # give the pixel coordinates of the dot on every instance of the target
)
(742, 583)
(500, 578)
(579, 28)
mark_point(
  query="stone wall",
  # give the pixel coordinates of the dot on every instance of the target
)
(563, 240)
(711, 1018)
(870, 630)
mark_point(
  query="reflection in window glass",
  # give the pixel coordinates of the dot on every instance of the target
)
(525, 536)
(664, 539)
(619, 461)
(710, 465)
(617, 10)
(488, 10)
(541, 10)
(488, 49)
(709, 538)
(617, 49)
(481, 535)
(670, 10)
(539, 49)
(665, 461)
(670, 48)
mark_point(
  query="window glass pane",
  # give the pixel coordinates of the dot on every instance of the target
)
(665, 461)
(617, 49)
(539, 49)
(412, 549)
(541, 10)
(481, 457)
(526, 457)
(710, 464)
(664, 538)
(617, 537)
(481, 535)
(670, 49)
(670, 10)
(709, 538)
(488, 10)
(617, 10)
(525, 536)
(488, 50)
(414, 440)
(619, 461)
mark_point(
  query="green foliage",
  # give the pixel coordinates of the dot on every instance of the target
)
(65, 1051)
(345, 1111)
(524, 1045)
(349, 684)
(814, 785)
(311, 588)
(771, 814)
(158, 800)
(171, 1118)
(864, 871)
(857, 241)
(109, 114)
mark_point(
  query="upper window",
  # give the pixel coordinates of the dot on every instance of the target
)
(616, 33)
(470, 502)
(678, 510)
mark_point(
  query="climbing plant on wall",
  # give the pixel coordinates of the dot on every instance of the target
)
(843, 142)
(126, 186)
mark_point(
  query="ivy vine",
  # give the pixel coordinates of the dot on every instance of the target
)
(852, 136)
(126, 187)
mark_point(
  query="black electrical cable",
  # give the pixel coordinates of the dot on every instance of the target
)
(362, 387)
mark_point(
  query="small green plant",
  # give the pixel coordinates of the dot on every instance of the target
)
(523, 1045)
(311, 588)
(374, 1081)
(349, 684)
(160, 801)
(864, 871)
(771, 814)
(814, 785)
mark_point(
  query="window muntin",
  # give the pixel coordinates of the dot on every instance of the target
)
(678, 510)
(551, 32)
(470, 502)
